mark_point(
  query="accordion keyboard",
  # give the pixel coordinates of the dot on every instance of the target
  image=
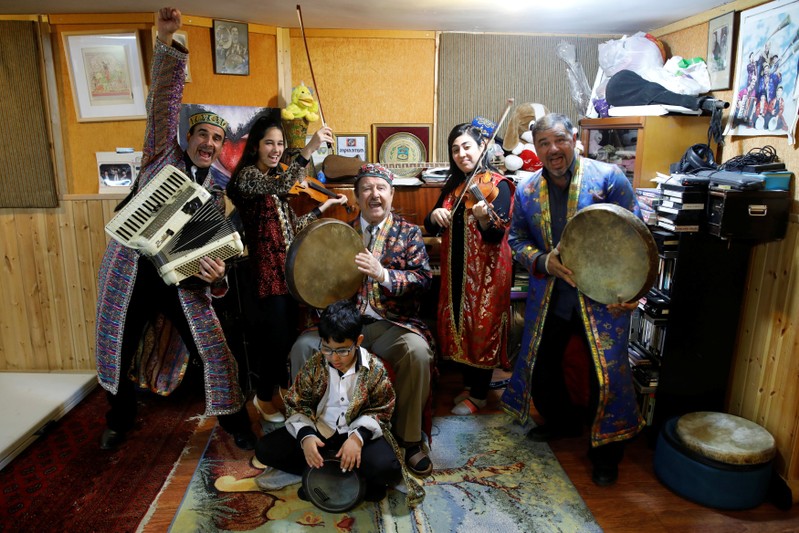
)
(158, 211)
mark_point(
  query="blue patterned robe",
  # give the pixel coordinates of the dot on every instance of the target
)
(617, 416)
(119, 265)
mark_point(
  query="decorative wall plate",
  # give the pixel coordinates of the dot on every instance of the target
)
(403, 147)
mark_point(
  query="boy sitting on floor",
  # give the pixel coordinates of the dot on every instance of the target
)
(342, 401)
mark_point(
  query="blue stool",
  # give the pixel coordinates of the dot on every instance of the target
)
(715, 459)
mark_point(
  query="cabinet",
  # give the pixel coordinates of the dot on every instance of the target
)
(642, 145)
(703, 279)
(413, 203)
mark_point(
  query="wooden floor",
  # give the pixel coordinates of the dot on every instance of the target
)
(637, 503)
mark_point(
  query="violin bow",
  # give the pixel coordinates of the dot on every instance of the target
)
(313, 78)
(482, 153)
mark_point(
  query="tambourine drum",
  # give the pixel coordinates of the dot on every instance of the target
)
(320, 263)
(611, 252)
(332, 490)
(726, 438)
(715, 459)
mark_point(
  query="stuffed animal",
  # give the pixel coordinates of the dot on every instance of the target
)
(302, 105)
(519, 139)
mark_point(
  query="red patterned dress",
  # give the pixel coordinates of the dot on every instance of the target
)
(476, 276)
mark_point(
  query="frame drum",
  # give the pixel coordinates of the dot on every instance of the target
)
(320, 263)
(611, 252)
(332, 490)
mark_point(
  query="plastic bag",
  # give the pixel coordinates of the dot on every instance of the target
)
(580, 90)
(688, 76)
(638, 53)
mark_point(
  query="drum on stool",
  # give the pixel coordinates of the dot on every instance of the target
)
(331, 489)
(715, 459)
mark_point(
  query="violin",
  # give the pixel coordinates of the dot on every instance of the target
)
(481, 189)
(316, 190)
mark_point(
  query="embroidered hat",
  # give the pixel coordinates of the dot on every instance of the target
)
(207, 117)
(376, 171)
(485, 126)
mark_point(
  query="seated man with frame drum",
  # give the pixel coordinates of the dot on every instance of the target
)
(397, 272)
(348, 427)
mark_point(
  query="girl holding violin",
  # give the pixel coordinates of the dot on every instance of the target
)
(476, 265)
(259, 188)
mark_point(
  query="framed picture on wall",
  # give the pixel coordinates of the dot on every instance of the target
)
(183, 38)
(765, 89)
(231, 48)
(720, 33)
(106, 75)
(353, 145)
(403, 148)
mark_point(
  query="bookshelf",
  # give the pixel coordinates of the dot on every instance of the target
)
(686, 328)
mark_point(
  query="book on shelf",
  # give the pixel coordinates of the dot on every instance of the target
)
(681, 228)
(674, 203)
(686, 197)
(680, 218)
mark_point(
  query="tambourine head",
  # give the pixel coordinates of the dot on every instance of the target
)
(332, 490)
(320, 263)
(611, 252)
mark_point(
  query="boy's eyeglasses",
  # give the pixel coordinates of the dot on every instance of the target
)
(327, 351)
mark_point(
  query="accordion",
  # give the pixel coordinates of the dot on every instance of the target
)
(173, 223)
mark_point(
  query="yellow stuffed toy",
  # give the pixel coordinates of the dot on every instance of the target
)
(302, 105)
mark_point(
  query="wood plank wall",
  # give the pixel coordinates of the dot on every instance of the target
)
(49, 272)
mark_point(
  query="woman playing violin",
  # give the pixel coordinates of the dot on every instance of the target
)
(259, 189)
(476, 266)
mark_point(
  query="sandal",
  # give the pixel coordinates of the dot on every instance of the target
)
(418, 462)
(462, 396)
(274, 418)
(468, 406)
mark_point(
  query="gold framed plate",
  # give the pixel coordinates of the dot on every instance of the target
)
(403, 147)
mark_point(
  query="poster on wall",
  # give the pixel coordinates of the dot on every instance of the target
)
(240, 119)
(765, 88)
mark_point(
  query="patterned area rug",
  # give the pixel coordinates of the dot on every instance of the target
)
(487, 477)
(64, 482)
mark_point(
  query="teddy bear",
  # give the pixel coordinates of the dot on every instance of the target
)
(302, 105)
(518, 142)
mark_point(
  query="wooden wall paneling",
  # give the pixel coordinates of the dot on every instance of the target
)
(17, 293)
(28, 241)
(77, 336)
(12, 325)
(61, 326)
(87, 276)
(781, 413)
(44, 278)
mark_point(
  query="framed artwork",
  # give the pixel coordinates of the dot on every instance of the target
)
(116, 171)
(320, 154)
(240, 119)
(720, 37)
(231, 48)
(403, 148)
(353, 145)
(106, 74)
(765, 90)
(183, 38)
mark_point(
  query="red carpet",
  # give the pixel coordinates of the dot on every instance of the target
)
(64, 482)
